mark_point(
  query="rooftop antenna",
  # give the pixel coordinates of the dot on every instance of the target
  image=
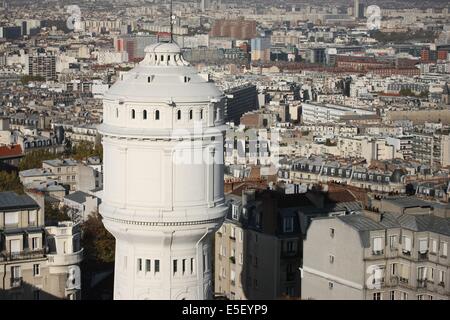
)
(172, 18)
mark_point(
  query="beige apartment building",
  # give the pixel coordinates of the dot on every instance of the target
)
(37, 262)
(257, 250)
(377, 256)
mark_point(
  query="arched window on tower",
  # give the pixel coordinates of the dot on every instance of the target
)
(179, 114)
(157, 115)
(145, 115)
(191, 114)
(133, 114)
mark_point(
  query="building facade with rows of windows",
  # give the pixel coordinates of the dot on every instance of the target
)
(37, 262)
(380, 256)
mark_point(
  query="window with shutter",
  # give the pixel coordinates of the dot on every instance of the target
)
(423, 245)
(15, 246)
(443, 249)
(11, 218)
(378, 245)
(406, 244)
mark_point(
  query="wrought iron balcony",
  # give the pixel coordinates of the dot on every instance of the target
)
(23, 255)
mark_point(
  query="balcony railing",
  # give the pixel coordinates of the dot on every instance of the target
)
(422, 283)
(16, 282)
(378, 252)
(406, 252)
(423, 255)
(23, 255)
(65, 259)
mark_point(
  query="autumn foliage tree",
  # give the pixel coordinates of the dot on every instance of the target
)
(34, 159)
(98, 243)
(10, 182)
(54, 214)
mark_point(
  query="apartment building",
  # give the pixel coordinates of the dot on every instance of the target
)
(64, 171)
(377, 256)
(42, 65)
(37, 262)
(427, 148)
(257, 249)
(328, 113)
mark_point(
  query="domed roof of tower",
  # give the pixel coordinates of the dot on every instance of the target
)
(163, 76)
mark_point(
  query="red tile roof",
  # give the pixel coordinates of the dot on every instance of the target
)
(11, 151)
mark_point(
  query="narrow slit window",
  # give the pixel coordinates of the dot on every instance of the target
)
(145, 115)
(201, 114)
(156, 265)
(117, 112)
(175, 266)
(191, 114)
(179, 114)
(157, 115)
(133, 114)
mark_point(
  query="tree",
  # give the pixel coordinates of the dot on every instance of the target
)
(34, 159)
(10, 182)
(98, 243)
(86, 149)
(54, 214)
(26, 79)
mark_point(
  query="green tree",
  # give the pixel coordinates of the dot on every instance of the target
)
(85, 149)
(54, 214)
(406, 92)
(34, 159)
(98, 243)
(26, 79)
(10, 182)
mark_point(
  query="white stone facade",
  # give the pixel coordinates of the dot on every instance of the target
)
(162, 211)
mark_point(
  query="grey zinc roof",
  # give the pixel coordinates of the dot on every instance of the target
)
(11, 201)
(417, 223)
(78, 196)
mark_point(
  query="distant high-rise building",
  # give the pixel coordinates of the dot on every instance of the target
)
(261, 49)
(134, 45)
(42, 65)
(236, 29)
(204, 5)
(11, 33)
(358, 10)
